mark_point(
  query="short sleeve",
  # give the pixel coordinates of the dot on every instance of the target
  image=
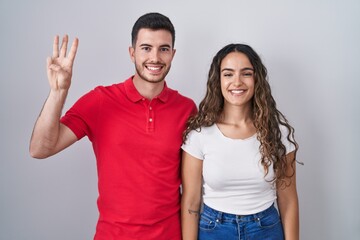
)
(81, 117)
(193, 145)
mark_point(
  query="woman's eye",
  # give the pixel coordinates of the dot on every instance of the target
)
(247, 74)
(227, 75)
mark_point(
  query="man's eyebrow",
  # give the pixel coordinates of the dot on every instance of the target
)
(165, 45)
(148, 45)
(145, 45)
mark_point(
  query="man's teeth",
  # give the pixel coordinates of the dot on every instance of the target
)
(154, 68)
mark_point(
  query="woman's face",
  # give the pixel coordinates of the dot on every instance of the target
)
(237, 79)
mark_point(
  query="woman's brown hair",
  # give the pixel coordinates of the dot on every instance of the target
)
(266, 117)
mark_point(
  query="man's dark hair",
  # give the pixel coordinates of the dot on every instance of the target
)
(153, 21)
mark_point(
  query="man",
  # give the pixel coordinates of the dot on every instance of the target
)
(136, 131)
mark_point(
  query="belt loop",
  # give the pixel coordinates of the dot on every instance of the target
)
(219, 217)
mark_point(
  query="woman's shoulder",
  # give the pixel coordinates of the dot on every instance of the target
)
(202, 132)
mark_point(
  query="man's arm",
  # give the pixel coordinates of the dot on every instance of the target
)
(49, 135)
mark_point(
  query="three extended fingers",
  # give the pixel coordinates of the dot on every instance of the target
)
(63, 49)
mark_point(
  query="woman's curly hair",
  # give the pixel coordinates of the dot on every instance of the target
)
(266, 117)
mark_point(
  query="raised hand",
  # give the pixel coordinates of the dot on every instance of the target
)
(49, 135)
(60, 65)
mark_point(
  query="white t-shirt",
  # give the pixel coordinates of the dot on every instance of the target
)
(233, 177)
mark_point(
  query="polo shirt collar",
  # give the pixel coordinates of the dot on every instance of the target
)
(133, 94)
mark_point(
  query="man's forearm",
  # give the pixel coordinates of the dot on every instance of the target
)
(46, 130)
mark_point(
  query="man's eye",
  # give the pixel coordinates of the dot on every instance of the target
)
(164, 49)
(146, 48)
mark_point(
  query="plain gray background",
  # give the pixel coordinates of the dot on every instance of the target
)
(311, 49)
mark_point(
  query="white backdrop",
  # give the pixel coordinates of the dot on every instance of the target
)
(311, 49)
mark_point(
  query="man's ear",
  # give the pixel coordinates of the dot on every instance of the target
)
(132, 53)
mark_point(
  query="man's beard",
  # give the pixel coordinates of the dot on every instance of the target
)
(142, 76)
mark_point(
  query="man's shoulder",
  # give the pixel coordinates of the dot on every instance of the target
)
(110, 88)
(180, 97)
(101, 92)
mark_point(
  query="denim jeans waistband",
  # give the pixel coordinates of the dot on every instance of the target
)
(228, 216)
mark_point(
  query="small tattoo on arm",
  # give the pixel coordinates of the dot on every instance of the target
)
(193, 212)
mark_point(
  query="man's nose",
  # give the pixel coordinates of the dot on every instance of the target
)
(154, 55)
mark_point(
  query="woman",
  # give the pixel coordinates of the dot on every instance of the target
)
(239, 156)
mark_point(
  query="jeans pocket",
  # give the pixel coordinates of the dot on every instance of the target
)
(269, 220)
(207, 223)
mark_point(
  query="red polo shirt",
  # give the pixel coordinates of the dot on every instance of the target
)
(137, 146)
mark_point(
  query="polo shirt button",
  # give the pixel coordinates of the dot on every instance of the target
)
(150, 108)
(150, 119)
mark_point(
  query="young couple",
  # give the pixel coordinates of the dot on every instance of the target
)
(238, 150)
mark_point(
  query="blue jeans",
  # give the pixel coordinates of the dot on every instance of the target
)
(215, 225)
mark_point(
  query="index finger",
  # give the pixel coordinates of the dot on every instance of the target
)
(56, 46)
(73, 50)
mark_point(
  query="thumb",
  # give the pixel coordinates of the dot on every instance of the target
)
(54, 67)
(48, 62)
(51, 66)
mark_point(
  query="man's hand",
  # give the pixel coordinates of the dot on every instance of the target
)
(60, 65)
(49, 135)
